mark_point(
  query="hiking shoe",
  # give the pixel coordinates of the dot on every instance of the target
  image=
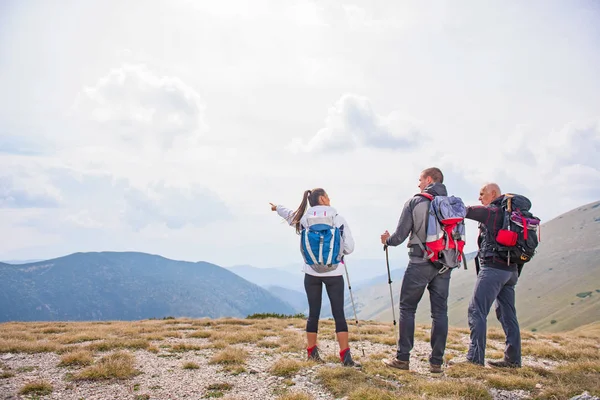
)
(435, 369)
(347, 361)
(313, 355)
(395, 363)
(504, 364)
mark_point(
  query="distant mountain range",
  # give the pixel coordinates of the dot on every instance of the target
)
(20, 261)
(127, 286)
(287, 282)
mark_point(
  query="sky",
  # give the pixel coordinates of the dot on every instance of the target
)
(167, 127)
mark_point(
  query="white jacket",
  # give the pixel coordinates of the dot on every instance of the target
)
(338, 220)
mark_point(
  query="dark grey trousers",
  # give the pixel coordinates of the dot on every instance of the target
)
(498, 285)
(416, 278)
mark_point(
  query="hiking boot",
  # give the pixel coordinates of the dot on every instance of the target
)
(435, 369)
(395, 363)
(504, 364)
(347, 360)
(313, 355)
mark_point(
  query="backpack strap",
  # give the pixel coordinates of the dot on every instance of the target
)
(426, 257)
(426, 195)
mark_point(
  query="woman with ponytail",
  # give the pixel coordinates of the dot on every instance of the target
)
(320, 208)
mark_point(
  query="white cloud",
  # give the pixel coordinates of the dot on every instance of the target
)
(27, 188)
(352, 123)
(139, 106)
(546, 159)
(172, 206)
(306, 13)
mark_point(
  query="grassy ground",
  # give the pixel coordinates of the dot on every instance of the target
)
(556, 366)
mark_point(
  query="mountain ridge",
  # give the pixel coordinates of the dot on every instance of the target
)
(127, 285)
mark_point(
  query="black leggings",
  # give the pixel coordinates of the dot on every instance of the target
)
(335, 291)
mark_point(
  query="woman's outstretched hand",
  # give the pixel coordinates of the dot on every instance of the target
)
(273, 207)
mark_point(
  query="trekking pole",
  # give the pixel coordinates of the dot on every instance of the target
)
(387, 261)
(354, 308)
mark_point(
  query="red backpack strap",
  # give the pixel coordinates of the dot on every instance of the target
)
(426, 195)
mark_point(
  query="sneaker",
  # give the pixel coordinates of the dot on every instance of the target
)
(504, 364)
(347, 360)
(435, 369)
(313, 355)
(395, 363)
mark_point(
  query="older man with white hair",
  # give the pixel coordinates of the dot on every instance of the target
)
(496, 280)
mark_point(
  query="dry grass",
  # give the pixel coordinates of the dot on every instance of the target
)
(51, 330)
(291, 341)
(245, 335)
(219, 386)
(371, 329)
(201, 334)
(368, 393)
(77, 357)
(268, 344)
(276, 324)
(21, 346)
(183, 347)
(79, 338)
(287, 367)
(219, 345)
(575, 349)
(19, 336)
(118, 365)
(235, 321)
(374, 367)
(572, 379)
(511, 382)
(190, 365)
(457, 347)
(231, 355)
(450, 389)
(37, 388)
(389, 339)
(116, 344)
(204, 322)
(466, 370)
(494, 354)
(495, 334)
(295, 396)
(343, 381)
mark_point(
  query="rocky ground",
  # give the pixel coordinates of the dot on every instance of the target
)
(274, 368)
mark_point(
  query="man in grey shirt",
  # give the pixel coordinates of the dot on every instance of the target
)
(420, 274)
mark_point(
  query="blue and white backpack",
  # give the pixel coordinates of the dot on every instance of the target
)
(321, 243)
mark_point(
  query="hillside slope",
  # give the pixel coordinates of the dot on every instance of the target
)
(127, 286)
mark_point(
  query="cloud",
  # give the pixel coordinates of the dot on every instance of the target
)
(576, 143)
(139, 106)
(352, 123)
(22, 190)
(18, 145)
(175, 207)
(559, 164)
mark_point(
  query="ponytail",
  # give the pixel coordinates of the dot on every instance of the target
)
(311, 197)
